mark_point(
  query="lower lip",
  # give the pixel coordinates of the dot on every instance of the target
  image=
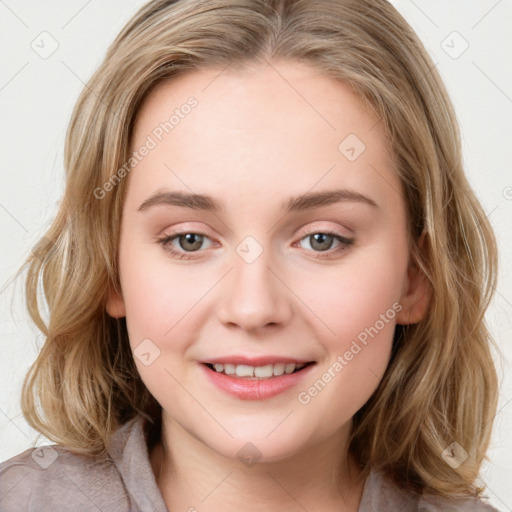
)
(247, 389)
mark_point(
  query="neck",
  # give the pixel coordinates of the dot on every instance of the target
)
(193, 476)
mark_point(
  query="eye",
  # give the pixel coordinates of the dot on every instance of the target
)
(322, 241)
(189, 242)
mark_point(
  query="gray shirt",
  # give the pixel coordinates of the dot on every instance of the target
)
(53, 479)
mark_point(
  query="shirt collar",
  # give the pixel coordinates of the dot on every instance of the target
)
(129, 451)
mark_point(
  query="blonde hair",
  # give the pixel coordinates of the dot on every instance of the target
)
(440, 386)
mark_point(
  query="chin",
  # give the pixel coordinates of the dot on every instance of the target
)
(263, 444)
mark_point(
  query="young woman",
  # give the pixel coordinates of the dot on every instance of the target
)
(267, 277)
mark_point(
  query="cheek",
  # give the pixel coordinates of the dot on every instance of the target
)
(358, 303)
(355, 295)
(149, 306)
(360, 310)
(157, 299)
(156, 293)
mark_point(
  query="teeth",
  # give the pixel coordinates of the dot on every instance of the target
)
(289, 368)
(229, 369)
(279, 369)
(259, 372)
(264, 371)
(244, 371)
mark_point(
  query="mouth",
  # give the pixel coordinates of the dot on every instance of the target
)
(268, 371)
(256, 378)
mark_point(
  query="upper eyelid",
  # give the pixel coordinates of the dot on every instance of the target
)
(327, 231)
(310, 230)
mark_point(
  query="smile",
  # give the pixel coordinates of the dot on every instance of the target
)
(257, 372)
(247, 382)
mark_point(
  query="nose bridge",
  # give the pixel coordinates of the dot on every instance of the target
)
(256, 296)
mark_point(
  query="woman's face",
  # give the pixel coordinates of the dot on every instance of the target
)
(298, 254)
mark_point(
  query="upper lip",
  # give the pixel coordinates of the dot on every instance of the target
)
(255, 361)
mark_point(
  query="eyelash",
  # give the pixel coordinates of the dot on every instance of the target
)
(345, 243)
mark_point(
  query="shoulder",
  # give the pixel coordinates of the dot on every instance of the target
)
(53, 478)
(381, 494)
(437, 504)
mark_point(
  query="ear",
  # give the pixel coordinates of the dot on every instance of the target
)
(417, 292)
(115, 303)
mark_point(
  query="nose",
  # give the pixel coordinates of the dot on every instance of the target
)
(256, 297)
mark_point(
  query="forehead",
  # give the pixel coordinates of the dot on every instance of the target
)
(270, 130)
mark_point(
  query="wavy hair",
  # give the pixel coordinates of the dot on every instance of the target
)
(441, 384)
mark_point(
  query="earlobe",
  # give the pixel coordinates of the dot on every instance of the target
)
(417, 294)
(115, 304)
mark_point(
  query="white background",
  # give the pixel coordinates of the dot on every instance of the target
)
(37, 96)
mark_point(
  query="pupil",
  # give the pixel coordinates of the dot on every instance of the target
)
(189, 239)
(319, 238)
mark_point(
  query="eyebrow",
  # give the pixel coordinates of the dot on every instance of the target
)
(303, 202)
